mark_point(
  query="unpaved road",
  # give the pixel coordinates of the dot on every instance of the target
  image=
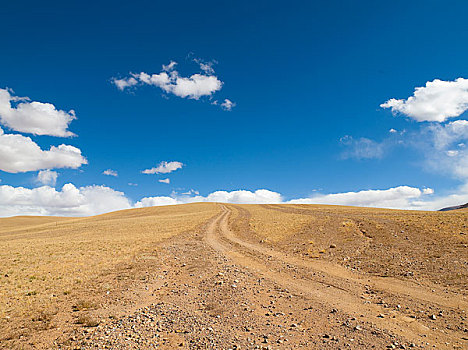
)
(213, 289)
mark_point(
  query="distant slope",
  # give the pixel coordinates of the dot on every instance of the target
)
(23, 222)
(463, 206)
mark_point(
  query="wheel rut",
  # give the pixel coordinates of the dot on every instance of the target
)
(332, 284)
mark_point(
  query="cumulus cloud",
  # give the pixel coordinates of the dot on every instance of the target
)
(19, 154)
(47, 177)
(69, 201)
(171, 82)
(93, 200)
(397, 198)
(238, 197)
(23, 115)
(165, 181)
(164, 168)
(456, 197)
(435, 102)
(110, 172)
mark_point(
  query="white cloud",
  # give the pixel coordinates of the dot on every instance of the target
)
(450, 133)
(443, 146)
(47, 177)
(227, 105)
(428, 191)
(397, 197)
(110, 172)
(190, 192)
(21, 154)
(436, 102)
(238, 197)
(392, 131)
(157, 201)
(362, 148)
(206, 67)
(164, 168)
(169, 67)
(34, 117)
(124, 83)
(165, 181)
(69, 201)
(170, 81)
(245, 197)
(93, 200)
(452, 153)
(457, 197)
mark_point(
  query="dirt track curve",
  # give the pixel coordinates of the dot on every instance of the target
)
(335, 286)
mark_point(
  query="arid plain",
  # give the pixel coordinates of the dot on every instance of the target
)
(223, 276)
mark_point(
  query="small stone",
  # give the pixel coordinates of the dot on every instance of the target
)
(433, 317)
(380, 316)
(332, 245)
(358, 328)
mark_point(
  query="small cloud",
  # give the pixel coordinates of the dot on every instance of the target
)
(171, 82)
(169, 67)
(428, 191)
(124, 83)
(191, 192)
(110, 172)
(132, 184)
(47, 177)
(227, 105)
(392, 131)
(164, 168)
(362, 148)
(165, 181)
(452, 153)
(206, 67)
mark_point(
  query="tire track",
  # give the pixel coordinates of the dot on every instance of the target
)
(342, 290)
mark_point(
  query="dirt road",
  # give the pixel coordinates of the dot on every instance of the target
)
(213, 289)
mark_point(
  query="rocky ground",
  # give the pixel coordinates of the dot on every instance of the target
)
(220, 288)
(215, 291)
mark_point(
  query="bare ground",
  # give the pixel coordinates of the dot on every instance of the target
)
(318, 278)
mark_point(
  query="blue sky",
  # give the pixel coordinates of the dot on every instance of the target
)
(307, 79)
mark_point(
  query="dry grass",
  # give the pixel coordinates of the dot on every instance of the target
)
(47, 263)
(275, 226)
(426, 246)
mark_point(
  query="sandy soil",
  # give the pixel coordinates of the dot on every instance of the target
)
(279, 277)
